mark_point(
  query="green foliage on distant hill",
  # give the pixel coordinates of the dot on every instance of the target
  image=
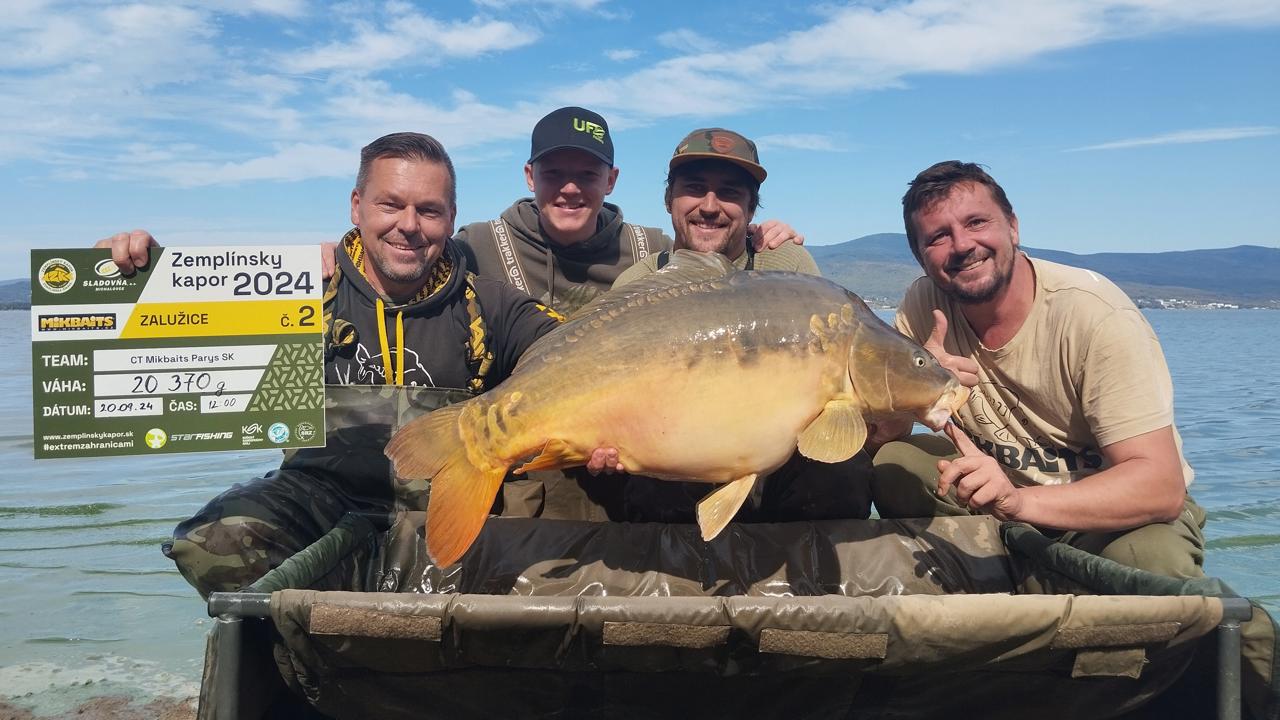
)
(15, 294)
(880, 268)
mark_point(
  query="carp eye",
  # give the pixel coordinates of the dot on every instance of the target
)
(919, 361)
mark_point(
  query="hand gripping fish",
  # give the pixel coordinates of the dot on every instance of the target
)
(698, 372)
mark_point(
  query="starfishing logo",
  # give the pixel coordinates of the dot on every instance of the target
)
(56, 275)
(590, 128)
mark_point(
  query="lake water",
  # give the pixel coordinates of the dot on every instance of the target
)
(89, 606)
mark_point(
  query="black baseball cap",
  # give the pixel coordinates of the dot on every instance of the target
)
(572, 127)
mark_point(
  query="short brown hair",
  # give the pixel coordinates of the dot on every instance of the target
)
(407, 146)
(936, 182)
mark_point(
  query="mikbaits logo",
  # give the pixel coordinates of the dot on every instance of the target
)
(83, 321)
(722, 143)
(592, 129)
(56, 275)
(107, 268)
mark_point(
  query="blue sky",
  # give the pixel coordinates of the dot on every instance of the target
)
(1114, 126)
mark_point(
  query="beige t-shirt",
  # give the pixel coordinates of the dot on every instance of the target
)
(1085, 370)
(789, 256)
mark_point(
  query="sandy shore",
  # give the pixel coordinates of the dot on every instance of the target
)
(111, 708)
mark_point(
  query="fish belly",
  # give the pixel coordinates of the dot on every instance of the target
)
(715, 425)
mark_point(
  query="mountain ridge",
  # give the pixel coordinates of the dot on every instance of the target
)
(880, 267)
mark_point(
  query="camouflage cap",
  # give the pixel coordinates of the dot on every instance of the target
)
(719, 144)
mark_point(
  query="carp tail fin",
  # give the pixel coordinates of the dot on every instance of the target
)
(461, 493)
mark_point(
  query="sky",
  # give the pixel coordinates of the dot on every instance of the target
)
(1135, 126)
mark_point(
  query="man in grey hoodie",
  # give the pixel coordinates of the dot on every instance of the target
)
(565, 245)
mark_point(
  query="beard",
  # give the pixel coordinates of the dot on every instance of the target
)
(983, 291)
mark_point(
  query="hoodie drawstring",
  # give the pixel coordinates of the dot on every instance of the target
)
(398, 369)
(551, 278)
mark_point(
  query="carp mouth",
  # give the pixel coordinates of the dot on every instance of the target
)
(948, 402)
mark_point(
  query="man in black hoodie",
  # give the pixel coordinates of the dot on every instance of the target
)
(402, 308)
(564, 245)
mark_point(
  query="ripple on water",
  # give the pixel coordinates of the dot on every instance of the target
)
(85, 509)
(1236, 542)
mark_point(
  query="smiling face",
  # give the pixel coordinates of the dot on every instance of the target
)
(710, 206)
(569, 187)
(968, 246)
(405, 216)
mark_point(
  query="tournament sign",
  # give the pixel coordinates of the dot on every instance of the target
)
(207, 348)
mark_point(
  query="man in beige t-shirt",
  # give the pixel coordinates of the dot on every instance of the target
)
(1070, 424)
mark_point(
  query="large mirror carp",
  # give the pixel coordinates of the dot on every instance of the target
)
(699, 372)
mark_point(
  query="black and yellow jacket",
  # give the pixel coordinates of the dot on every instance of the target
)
(513, 249)
(459, 332)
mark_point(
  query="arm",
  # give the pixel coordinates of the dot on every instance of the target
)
(1143, 485)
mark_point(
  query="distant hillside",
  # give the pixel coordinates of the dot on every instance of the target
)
(15, 294)
(881, 266)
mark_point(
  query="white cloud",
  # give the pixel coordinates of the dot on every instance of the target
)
(301, 161)
(622, 55)
(686, 40)
(1184, 137)
(570, 4)
(862, 48)
(85, 78)
(410, 37)
(800, 141)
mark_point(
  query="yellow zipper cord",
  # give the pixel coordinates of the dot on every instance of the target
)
(399, 347)
(382, 342)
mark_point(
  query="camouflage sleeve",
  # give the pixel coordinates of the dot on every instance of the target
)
(253, 527)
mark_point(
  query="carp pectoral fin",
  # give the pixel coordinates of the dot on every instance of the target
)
(555, 454)
(717, 509)
(836, 434)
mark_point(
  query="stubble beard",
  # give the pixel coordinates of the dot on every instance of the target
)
(396, 272)
(977, 296)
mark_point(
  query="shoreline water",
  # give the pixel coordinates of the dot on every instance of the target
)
(92, 611)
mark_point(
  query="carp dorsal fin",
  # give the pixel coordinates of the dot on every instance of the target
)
(836, 434)
(555, 454)
(717, 509)
(685, 266)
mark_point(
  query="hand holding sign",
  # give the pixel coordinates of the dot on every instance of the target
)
(980, 483)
